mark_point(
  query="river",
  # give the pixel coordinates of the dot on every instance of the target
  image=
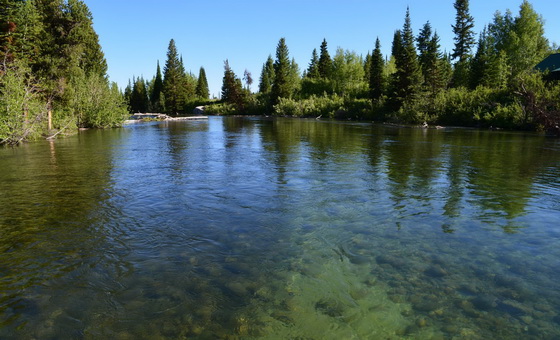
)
(254, 228)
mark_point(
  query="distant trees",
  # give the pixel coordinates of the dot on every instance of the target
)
(202, 90)
(267, 76)
(232, 89)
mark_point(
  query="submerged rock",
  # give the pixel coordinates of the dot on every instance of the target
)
(484, 302)
(435, 271)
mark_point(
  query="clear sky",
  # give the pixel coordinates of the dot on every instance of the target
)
(135, 34)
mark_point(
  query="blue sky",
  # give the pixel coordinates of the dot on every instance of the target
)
(135, 34)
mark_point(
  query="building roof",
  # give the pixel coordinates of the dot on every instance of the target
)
(550, 63)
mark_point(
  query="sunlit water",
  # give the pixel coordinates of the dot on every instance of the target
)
(281, 229)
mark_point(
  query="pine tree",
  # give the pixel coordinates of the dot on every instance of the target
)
(408, 78)
(464, 41)
(202, 90)
(139, 101)
(313, 69)
(232, 90)
(367, 67)
(156, 91)
(173, 80)
(267, 76)
(325, 62)
(281, 87)
(377, 76)
(434, 74)
(423, 42)
(429, 58)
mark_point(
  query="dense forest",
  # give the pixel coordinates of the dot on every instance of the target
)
(53, 77)
(52, 72)
(491, 82)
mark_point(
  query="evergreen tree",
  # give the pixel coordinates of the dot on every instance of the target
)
(325, 62)
(408, 77)
(367, 67)
(434, 75)
(283, 70)
(397, 47)
(202, 90)
(173, 80)
(429, 58)
(139, 101)
(423, 43)
(480, 64)
(464, 40)
(377, 76)
(232, 90)
(313, 69)
(267, 76)
(156, 91)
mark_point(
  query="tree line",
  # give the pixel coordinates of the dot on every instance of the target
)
(53, 73)
(173, 92)
(489, 82)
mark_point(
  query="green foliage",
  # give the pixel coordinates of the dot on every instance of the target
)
(174, 84)
(53, 63)
(139, 101)
(283, 73)
(202, 90)
(157, 101)
(232, 89)
(313, 68)
(463, 30)
(377, 76)
(95, 103)
(325, 106)
(267, 76)
(22, 113)
(348, 74)
(324, 66)
(407, 79)
(316, 87)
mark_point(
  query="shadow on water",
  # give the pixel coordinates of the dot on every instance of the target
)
(280, 228)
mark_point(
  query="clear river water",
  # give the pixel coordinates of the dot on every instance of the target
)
(254, 228)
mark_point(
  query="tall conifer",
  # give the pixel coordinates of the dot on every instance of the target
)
(325, 62)
(313, 69)
(377, 77)
(267, 76)
(281, 87)
(464, 41)
(157, 88)
(202, 90)
(408, 77)
(173, 80)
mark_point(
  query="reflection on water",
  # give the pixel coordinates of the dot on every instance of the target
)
(253, 228)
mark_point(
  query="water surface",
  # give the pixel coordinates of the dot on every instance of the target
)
(239, 228)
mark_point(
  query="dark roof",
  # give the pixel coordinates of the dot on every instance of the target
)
(550, 63)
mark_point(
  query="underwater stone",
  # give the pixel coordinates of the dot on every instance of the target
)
(391, 260)
(484, 302)
(435, 271)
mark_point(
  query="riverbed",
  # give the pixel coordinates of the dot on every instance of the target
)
(255, 228)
